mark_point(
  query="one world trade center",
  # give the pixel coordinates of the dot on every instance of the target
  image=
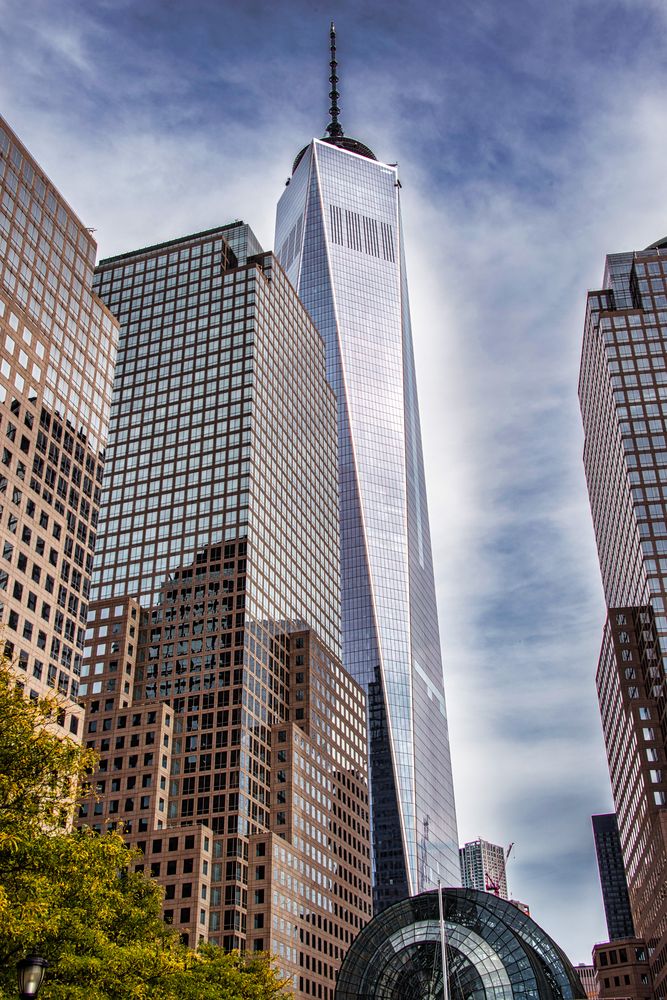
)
(339, 238)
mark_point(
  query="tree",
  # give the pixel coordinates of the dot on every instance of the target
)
(40, 774)
(73, 896)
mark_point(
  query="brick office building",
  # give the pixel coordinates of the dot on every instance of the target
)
(57, 354)
(233, 743)
(623, 395)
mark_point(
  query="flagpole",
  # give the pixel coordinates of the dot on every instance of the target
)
(443, 947)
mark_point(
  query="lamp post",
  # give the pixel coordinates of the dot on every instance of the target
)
(31, 971)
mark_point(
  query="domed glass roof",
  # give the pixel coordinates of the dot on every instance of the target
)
(494, 952)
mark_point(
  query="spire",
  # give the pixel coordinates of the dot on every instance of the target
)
(334, 134)
(334, 127)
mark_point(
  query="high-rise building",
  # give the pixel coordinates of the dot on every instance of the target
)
(57, 354)
(232, 743)
(623, 396)
(612, 877)
(483, 867)
(339, 238)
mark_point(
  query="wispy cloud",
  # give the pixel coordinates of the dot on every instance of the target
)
(531, 140)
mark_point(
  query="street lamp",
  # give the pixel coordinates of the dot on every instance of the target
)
(31, 971)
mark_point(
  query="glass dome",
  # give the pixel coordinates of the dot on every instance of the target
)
(494, 952)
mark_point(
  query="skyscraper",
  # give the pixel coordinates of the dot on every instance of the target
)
(623, 396)
(339, 238)
(483, 867)
(57, 354)
(232, 743)
(612, 877)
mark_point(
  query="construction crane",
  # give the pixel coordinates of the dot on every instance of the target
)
(491, 884)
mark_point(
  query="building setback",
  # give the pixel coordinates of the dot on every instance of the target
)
(622, 970)
(612, 877)
(57, 354)
(339, 237)
(232, 742)
(623, 396)
(483, 867)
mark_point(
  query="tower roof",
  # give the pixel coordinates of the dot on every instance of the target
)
(334, 134)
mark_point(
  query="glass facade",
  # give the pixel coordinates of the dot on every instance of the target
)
(339, 237)
(494, 952)
(612, 877)
(203, 436)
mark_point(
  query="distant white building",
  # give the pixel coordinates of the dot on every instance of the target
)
(589, 980)
(483, 867)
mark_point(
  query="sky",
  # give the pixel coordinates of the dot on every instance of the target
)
(532, 140)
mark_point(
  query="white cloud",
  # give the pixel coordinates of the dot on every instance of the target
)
(499, 264)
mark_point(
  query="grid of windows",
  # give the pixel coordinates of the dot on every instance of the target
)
(57, 352)
(201, 354)
(623, 395)
(216, 618)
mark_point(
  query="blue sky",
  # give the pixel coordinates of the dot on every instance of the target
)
(531, 139)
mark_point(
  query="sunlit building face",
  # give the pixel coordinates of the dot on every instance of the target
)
(339, 237)
(232, 742)
(57, 353)
(623, 396)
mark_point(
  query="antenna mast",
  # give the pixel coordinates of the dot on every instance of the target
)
(334, 127)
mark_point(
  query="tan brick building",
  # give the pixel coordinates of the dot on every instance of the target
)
(622, 970)
(623, 396)
(57, 353)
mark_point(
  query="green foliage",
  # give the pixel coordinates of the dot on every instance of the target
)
(40, 775)
(71, 896)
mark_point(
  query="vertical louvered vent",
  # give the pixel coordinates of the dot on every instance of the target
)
(360, 232)
(336, 224)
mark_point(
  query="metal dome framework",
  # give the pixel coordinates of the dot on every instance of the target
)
(494, 952)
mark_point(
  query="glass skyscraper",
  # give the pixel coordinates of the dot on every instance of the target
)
(340, 240)
(613, 882)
